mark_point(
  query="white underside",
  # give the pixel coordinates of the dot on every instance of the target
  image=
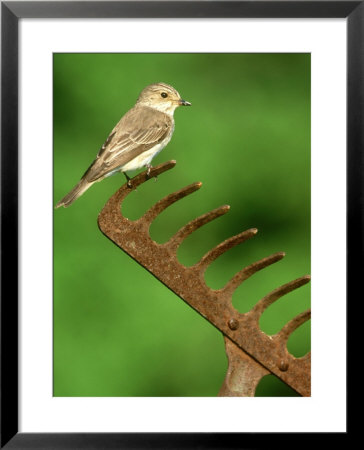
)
(146, 157)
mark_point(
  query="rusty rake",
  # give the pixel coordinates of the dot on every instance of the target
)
(251, 353)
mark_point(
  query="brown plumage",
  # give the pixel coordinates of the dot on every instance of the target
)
(139, 135)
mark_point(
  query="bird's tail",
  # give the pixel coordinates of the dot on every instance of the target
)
(76, 192)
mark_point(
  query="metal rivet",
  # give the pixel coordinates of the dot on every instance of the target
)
(233, 324)
(283, 366)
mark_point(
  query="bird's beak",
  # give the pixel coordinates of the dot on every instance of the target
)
(184, 103)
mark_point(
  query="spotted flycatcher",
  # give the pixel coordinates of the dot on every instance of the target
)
(139, 135)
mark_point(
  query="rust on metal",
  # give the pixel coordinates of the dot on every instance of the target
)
(251, 352)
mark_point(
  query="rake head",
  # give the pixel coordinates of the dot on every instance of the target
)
(252, 353)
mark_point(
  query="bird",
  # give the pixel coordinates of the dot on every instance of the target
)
(135, 140)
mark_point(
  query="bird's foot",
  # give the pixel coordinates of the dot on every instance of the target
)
(128, 180)
(149, 168)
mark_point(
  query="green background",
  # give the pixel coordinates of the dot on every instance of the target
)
(117, 330)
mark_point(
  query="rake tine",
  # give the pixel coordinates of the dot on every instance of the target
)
(292, 325)
(214, 253)
(250, 270)
(154, 172)
(160, 206)
(111, 210)
(266, 301)
(193, 225)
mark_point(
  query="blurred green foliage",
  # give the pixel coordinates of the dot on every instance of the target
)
(117, 330)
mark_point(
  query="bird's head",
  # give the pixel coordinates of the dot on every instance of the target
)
(161, 96)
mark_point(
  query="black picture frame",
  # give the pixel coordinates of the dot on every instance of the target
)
(11, 12)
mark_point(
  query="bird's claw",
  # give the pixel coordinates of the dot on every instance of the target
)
(149, 168)
(128, 180)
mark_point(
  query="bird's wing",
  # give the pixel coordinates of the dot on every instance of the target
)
(139, 130)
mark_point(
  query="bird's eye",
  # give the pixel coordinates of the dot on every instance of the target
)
(164, 94)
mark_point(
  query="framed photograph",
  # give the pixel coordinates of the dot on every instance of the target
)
(259, 101)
